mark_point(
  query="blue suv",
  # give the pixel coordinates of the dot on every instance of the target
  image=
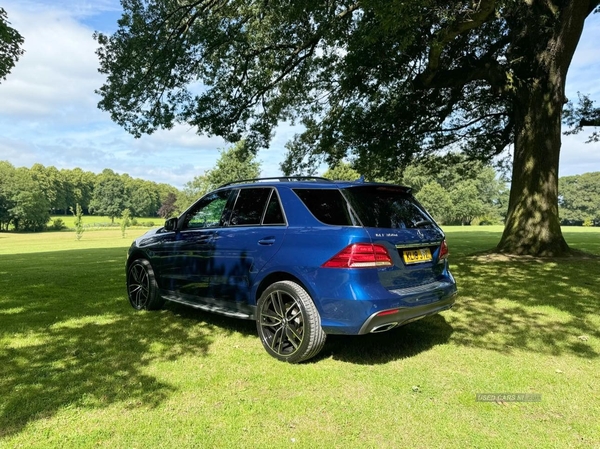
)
(303, 257)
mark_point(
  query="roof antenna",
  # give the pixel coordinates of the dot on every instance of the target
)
(361, 179)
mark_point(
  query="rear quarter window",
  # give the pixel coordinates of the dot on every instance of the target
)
(327, 205)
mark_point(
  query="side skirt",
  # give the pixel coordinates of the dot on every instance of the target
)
(221, 307)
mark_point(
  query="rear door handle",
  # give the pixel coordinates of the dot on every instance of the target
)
(267, 241)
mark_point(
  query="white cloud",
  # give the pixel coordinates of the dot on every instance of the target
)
(56, 77)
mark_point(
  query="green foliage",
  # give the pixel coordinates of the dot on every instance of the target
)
(58, 224)
(437, 201)
(467, 203)
(59, 191)
(23, 204)
(486, 220)
(579, 199)
(378, 81)
(78, 187)
(458, 190)
(235, 163)
(110, 196)
(11, 45)
(50, 181)
(125, 221)
(78, 222)
(585, 114)
(342, 171)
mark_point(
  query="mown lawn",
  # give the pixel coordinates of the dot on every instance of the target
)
(96, 222)
(80, 368)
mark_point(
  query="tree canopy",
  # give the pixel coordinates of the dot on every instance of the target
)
(458, 191)
(11, 43)
(342, 171)
(235, 163)
(579, 199)
(22, 201)
(378, 82)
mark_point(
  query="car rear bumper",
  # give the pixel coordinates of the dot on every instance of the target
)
(377, 309)
(388, 319)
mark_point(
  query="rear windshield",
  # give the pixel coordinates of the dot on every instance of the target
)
(372, 206)
(386, 207)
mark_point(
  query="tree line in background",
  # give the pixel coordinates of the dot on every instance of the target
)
(29, 196)
(454, 189)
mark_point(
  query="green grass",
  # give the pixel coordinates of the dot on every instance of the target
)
(95, 222)
(80, 368)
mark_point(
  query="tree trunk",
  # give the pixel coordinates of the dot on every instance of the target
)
(532, 224)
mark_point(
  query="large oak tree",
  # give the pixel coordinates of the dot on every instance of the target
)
(379, 82)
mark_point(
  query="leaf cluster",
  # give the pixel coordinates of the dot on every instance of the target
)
(579, 199)
(235, 163)
(11, 43)
(457, 190)
(584, 114)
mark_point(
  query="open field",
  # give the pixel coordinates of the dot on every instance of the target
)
(102, 221)
(80, 368)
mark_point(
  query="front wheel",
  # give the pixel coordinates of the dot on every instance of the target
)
(288, 323)
(142, 288)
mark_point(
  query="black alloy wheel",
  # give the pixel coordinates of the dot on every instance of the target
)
(288, 323)
(142, 288)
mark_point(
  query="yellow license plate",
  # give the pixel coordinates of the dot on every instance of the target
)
(416, 255)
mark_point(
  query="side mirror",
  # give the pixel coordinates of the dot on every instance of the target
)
(171, 224)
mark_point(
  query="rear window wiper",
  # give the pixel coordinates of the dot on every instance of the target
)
(421, 223)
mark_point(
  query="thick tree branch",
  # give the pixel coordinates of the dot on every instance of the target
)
(594, 122)
(481, 12)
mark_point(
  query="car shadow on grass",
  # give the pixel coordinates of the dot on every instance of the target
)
(371, 349)
(400, 343)
(69, 338)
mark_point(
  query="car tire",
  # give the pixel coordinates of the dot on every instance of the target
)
(142, 288)
(288, 323)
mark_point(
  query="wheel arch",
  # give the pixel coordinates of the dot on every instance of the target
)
(135, 255)
(276, 277)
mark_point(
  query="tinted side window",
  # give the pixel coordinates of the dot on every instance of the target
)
(327, 205)
(249, 207)
(274, 213)
(206, 213)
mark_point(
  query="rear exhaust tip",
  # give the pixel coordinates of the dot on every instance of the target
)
(383, 327)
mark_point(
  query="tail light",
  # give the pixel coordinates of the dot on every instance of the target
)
(360, 255)
(444, 250)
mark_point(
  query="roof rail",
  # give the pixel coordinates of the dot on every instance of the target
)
(280, 179)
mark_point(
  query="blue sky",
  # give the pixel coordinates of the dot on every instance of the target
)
(48, 110)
